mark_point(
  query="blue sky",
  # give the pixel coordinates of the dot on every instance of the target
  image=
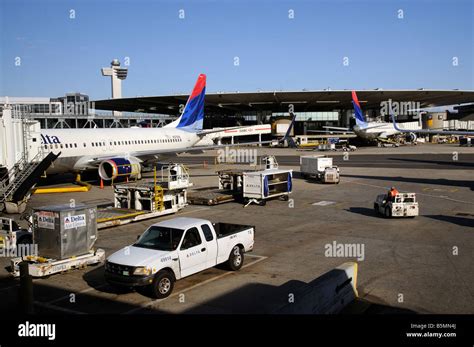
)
(59, 54)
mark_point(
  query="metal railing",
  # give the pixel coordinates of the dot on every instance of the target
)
(14, 177)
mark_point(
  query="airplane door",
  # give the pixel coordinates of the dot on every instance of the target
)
(192, 253)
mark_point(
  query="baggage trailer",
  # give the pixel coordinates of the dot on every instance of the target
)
(319, 167)
(64, 237)
(229, 189)
(231, 183)
(260, 186)
(42, 267)
(136, 201)
(210, 196)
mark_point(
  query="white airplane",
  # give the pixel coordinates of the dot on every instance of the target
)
(380, 131)
(433, 131)
(120, 152)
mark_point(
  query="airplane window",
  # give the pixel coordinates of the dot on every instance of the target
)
(103, 143)
(67, 146)
(92, 144)
(56, 145)
(85, 144)
(45, 146)
(75, 145)
(61, 146)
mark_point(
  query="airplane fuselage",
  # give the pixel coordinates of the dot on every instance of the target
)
(81, 147)
(375, 130)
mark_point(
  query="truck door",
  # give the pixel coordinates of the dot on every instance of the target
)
(211, 245)
(192, 253)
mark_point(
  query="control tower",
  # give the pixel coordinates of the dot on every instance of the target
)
(117, 74)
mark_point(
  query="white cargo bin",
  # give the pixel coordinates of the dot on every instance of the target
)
(267, 184)
(313, 165)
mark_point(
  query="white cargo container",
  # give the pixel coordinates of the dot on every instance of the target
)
(267, 184)
(320, 167)
(314, 164)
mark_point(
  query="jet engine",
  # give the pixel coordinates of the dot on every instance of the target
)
(115, 168)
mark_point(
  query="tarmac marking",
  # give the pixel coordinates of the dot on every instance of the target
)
(150, 303)
(323, 203)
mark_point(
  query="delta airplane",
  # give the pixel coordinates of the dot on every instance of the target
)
(433, 131)
(120, 152)
(380, 131)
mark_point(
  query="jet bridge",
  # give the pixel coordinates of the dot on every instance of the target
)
(22, 159)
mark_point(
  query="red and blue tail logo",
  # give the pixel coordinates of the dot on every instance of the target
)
(193, 115)
(360, 121)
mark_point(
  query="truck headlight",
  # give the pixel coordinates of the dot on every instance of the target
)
(141, 271)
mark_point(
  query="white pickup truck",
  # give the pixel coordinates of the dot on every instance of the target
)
(177, 248)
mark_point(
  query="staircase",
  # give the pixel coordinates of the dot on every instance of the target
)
(24, 175)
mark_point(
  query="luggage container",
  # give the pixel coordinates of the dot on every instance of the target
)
(62, 231)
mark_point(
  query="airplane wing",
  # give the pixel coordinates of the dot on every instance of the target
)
(329, 132)
(337, 128)
(95, 161)
(204, 132)
(434, 132)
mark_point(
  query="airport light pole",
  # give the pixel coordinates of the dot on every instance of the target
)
(117, 74)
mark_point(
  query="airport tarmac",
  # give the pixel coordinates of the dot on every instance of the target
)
(420, 265)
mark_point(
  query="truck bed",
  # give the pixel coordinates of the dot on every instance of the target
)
(226, 229)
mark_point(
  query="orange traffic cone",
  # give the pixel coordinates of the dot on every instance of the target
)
(101, 183)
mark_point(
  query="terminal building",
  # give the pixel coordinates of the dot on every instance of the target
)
(314, 109)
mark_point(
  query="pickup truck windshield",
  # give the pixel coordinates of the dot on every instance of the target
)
(160, 238)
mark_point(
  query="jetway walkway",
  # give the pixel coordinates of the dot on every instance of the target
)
(22, 158)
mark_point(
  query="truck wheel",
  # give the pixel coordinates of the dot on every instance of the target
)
(236, 259)
(162, 285)
(388, 212)
(263, 203)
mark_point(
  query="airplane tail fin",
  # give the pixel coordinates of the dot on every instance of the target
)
(192, 117)
(360, 121)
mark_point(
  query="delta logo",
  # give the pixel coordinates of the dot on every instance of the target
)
(49, 139)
